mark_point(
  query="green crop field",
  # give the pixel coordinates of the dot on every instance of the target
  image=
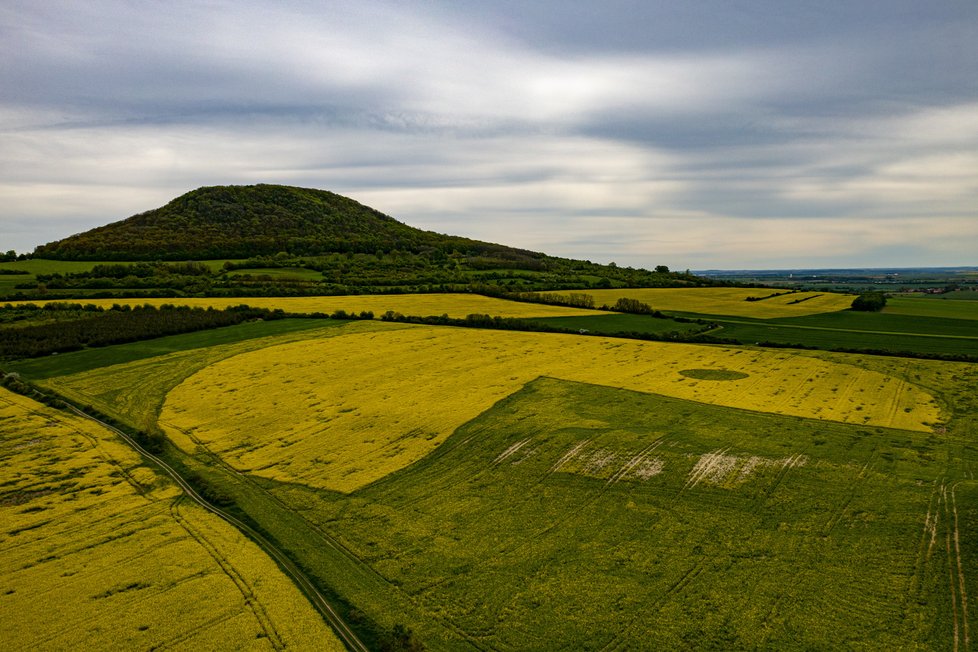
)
(847, 329)
(842, 338)
(932, 307)
(620, 323)
(572, 516)
(886, 322)
(578, 506)
(768, 303)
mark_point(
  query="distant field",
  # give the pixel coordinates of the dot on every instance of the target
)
(454, 305)
(100, 552)
(854, 340)
(39, 266)
(729, 301)
(932, 307)
(341, 412)
(955, 295)
(886, 331)
(620, 323)
(885, 322)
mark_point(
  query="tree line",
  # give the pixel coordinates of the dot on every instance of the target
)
(95, 327)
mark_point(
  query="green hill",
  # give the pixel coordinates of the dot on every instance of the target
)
(267, 240)
(247, 221)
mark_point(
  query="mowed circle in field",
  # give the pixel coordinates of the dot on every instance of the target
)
(341, 412)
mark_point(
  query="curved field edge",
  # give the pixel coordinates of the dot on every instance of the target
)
(118, 559)
(380, 596)
(342, 412)
(135, 390)
(576, 516)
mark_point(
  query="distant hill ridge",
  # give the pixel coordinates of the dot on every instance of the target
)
(262, 220)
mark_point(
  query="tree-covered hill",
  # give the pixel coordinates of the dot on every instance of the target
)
(270, 240)
(263, 220)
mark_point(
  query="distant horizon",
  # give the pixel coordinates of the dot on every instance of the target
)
(843, 269)
(580, 254)
(647, 265)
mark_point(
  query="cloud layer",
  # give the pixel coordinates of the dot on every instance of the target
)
(704, 134)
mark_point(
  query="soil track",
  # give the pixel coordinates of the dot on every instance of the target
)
(343, 631)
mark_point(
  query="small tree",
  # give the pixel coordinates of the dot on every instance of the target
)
(869, 302)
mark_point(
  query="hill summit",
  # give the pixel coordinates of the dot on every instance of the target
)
(261, 220)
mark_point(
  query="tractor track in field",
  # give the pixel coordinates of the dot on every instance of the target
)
(326, 539)
(953, 534)
(304, 583)
(227, 567)
(675, 589)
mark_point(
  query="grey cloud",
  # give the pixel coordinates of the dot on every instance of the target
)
(585, 130)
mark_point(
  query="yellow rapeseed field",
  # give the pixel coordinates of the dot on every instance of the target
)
(99, 552)
(729, 301)
(424, 305)
(341, 412)
(134, 391)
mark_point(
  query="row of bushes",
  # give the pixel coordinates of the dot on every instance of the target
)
(120, 325)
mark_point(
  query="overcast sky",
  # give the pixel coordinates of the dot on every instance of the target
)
(695, 133)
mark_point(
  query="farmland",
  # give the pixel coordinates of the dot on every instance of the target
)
(931, 307)
(886, 331)
(406, 450)
(543, 491)
(579, 515)
(730, 301)
(908, 325)
(111, 547)
(453, 305)
(373, 419)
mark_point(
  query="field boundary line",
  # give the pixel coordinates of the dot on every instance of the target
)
(327, 539)
(342, 629)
